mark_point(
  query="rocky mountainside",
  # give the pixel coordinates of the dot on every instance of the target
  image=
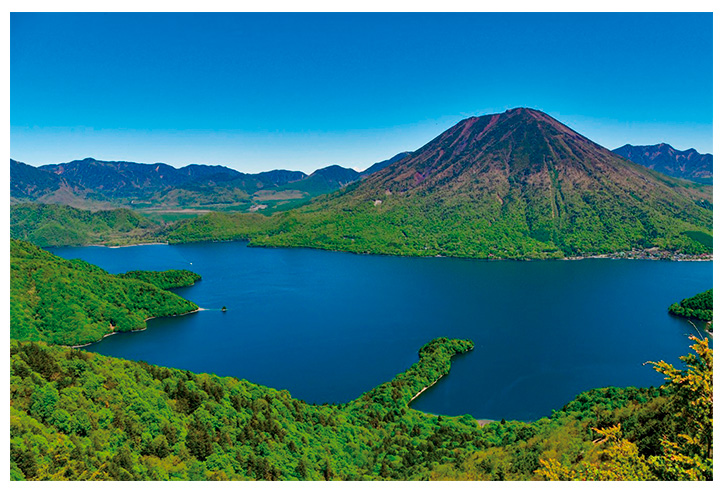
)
(30, 183)
(663, 158)
(383, 164)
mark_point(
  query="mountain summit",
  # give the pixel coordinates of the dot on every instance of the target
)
(520, 147)
(517, 184)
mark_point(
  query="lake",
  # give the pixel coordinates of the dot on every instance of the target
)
(329, 326)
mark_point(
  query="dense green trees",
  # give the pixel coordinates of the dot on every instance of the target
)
(78, 415)
(73, 302)
(172, 278)
(688, 452)
(699, 306)
(217, 226)
(55, 225)
(415, 225)
(685, 446)
(422, 226)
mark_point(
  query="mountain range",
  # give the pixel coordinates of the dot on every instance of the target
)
(96, 184)
(663, 158)
(518, 184)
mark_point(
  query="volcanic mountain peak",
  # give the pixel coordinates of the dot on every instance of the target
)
(521, 128)
(529, 119)
(519, 143)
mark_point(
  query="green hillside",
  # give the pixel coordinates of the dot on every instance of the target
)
(77, 415)
(52, 225)
(73, 302)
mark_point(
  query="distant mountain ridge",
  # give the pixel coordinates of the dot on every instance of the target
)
(663, 158)
(121, 178)
(104, 184)
(29, 182)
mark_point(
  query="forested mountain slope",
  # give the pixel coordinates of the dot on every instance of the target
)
(77, 415)
(54, 225)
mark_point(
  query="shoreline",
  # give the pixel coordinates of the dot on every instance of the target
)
(106, 245)
(134, 330)
(620, 255)
(133, 245)
(424, 389)
(644, 255)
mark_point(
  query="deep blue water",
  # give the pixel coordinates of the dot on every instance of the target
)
(328, 326)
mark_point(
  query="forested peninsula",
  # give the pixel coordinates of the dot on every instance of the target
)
(699, 307)
(171, 278)
(74, 302)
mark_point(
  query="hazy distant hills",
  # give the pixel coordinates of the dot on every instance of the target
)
(513, 185)
(688, 164)
(100, 184)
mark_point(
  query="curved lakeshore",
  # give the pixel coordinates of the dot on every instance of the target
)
(137, 330)
(424, 389)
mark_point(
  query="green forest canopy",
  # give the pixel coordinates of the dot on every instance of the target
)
(413, 226)
(55, 225)
(699, 306)
(171, 278)
(74, 302)
(77, 415)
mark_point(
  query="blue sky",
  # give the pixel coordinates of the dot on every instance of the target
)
(303, 91)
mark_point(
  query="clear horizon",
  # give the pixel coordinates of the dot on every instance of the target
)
(256, 92)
